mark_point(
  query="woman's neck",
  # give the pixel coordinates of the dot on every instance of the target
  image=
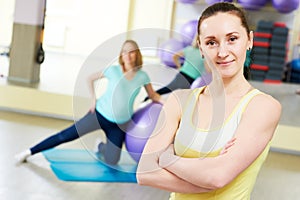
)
(236, 86)
(128, 67)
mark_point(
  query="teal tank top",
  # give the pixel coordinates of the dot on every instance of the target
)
(116, 104)
(193, 65)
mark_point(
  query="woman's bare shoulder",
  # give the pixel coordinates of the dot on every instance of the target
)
(177, 100)
(182, 95)
(265, 103)
(266, 99)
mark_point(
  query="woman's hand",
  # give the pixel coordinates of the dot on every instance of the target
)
(176, 58)
(93, 106)
(153, 95)
(167, 157)
(158, 98)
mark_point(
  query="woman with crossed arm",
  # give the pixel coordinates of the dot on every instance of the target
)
(183, 154)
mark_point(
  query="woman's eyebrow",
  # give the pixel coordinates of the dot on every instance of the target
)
(213, 37)
(210, 37)
(232, 33)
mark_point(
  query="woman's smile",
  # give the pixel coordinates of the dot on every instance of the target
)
(225, 63)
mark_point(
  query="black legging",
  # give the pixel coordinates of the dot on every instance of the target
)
(181, 81)
(115, 134)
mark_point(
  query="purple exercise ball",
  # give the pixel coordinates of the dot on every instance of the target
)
(140, 128)
(187, 1)
(167, 51)
(201, 81)
(284, 6)
(252, 4)
(188, 32)
(210, 2)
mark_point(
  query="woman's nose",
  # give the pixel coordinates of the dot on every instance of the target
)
(223, 51)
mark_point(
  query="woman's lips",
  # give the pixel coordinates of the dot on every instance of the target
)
(225, 63)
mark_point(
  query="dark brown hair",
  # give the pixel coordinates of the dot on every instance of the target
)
(224, 7)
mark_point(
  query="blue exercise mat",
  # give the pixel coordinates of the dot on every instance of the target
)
(82, 165)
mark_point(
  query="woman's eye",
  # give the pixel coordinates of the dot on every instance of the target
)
(232, 39)
(211, 43)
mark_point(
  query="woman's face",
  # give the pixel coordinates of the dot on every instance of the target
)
(129, 54)
(223, 42)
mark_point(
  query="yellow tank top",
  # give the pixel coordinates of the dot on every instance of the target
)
(192, 142)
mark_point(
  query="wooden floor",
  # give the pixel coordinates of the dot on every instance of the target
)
(35, 181)
(20, 128)
(278, 180)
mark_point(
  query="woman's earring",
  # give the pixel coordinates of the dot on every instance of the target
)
(202, 56)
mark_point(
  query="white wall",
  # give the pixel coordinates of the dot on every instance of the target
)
(73, 26)
(79, 26)
(151, 14)
(156, 17)
(6, 21)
